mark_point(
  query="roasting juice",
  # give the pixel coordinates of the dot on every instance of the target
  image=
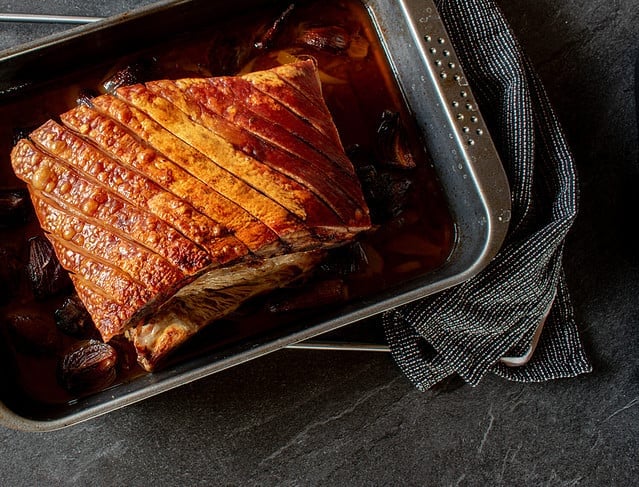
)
(413, 230)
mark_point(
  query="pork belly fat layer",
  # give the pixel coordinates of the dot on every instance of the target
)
(212, 296)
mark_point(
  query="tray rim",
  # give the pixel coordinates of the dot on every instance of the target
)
(496, 203)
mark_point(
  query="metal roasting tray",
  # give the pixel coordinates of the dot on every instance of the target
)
(438, 96)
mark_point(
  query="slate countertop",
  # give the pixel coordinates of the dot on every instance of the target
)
(348, 418)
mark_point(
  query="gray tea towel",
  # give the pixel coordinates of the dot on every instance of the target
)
(467, 329)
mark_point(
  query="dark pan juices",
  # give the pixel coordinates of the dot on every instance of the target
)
(413, 235)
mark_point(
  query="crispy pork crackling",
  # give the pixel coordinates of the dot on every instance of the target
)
(172, 202)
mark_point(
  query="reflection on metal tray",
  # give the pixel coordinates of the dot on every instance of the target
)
(48, 19)
(438, 97)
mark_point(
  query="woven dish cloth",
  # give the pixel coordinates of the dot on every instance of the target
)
(467, 329)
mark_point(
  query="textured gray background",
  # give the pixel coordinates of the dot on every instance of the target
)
(300, 418)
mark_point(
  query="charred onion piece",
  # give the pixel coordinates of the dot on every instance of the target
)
(392, 143)
(15, 207)
(332, 38)
(72, 318)
(33, 333)
(318, 294)
(46, 275)
(386, 191)
(267, 39)
(123, 77)
(359, 259)
(90, 365)
(359, 156)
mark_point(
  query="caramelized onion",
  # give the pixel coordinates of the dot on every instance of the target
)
(287, 57)
(131, 74)
(345, 261)
(85, 97)
(358, 48)
(267, 38)
(46, 275)
(89, 365)
(386, 191)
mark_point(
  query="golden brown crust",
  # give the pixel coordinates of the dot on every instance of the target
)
(98, 205)
(329, 204)
(142, 265)
(111, 281)
(278, 103)
(110, 317)
(300, 89)
(276, 189)
(207, 187)
(98, 167)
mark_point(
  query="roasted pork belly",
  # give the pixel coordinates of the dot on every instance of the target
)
(172, 202)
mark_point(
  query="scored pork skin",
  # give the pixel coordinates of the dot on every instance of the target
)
(266, 142)
(142, 190)
(153, 188)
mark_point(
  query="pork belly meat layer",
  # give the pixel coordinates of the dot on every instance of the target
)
(172, 202)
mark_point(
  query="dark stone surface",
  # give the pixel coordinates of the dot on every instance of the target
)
(330, 418)
(13, 34)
